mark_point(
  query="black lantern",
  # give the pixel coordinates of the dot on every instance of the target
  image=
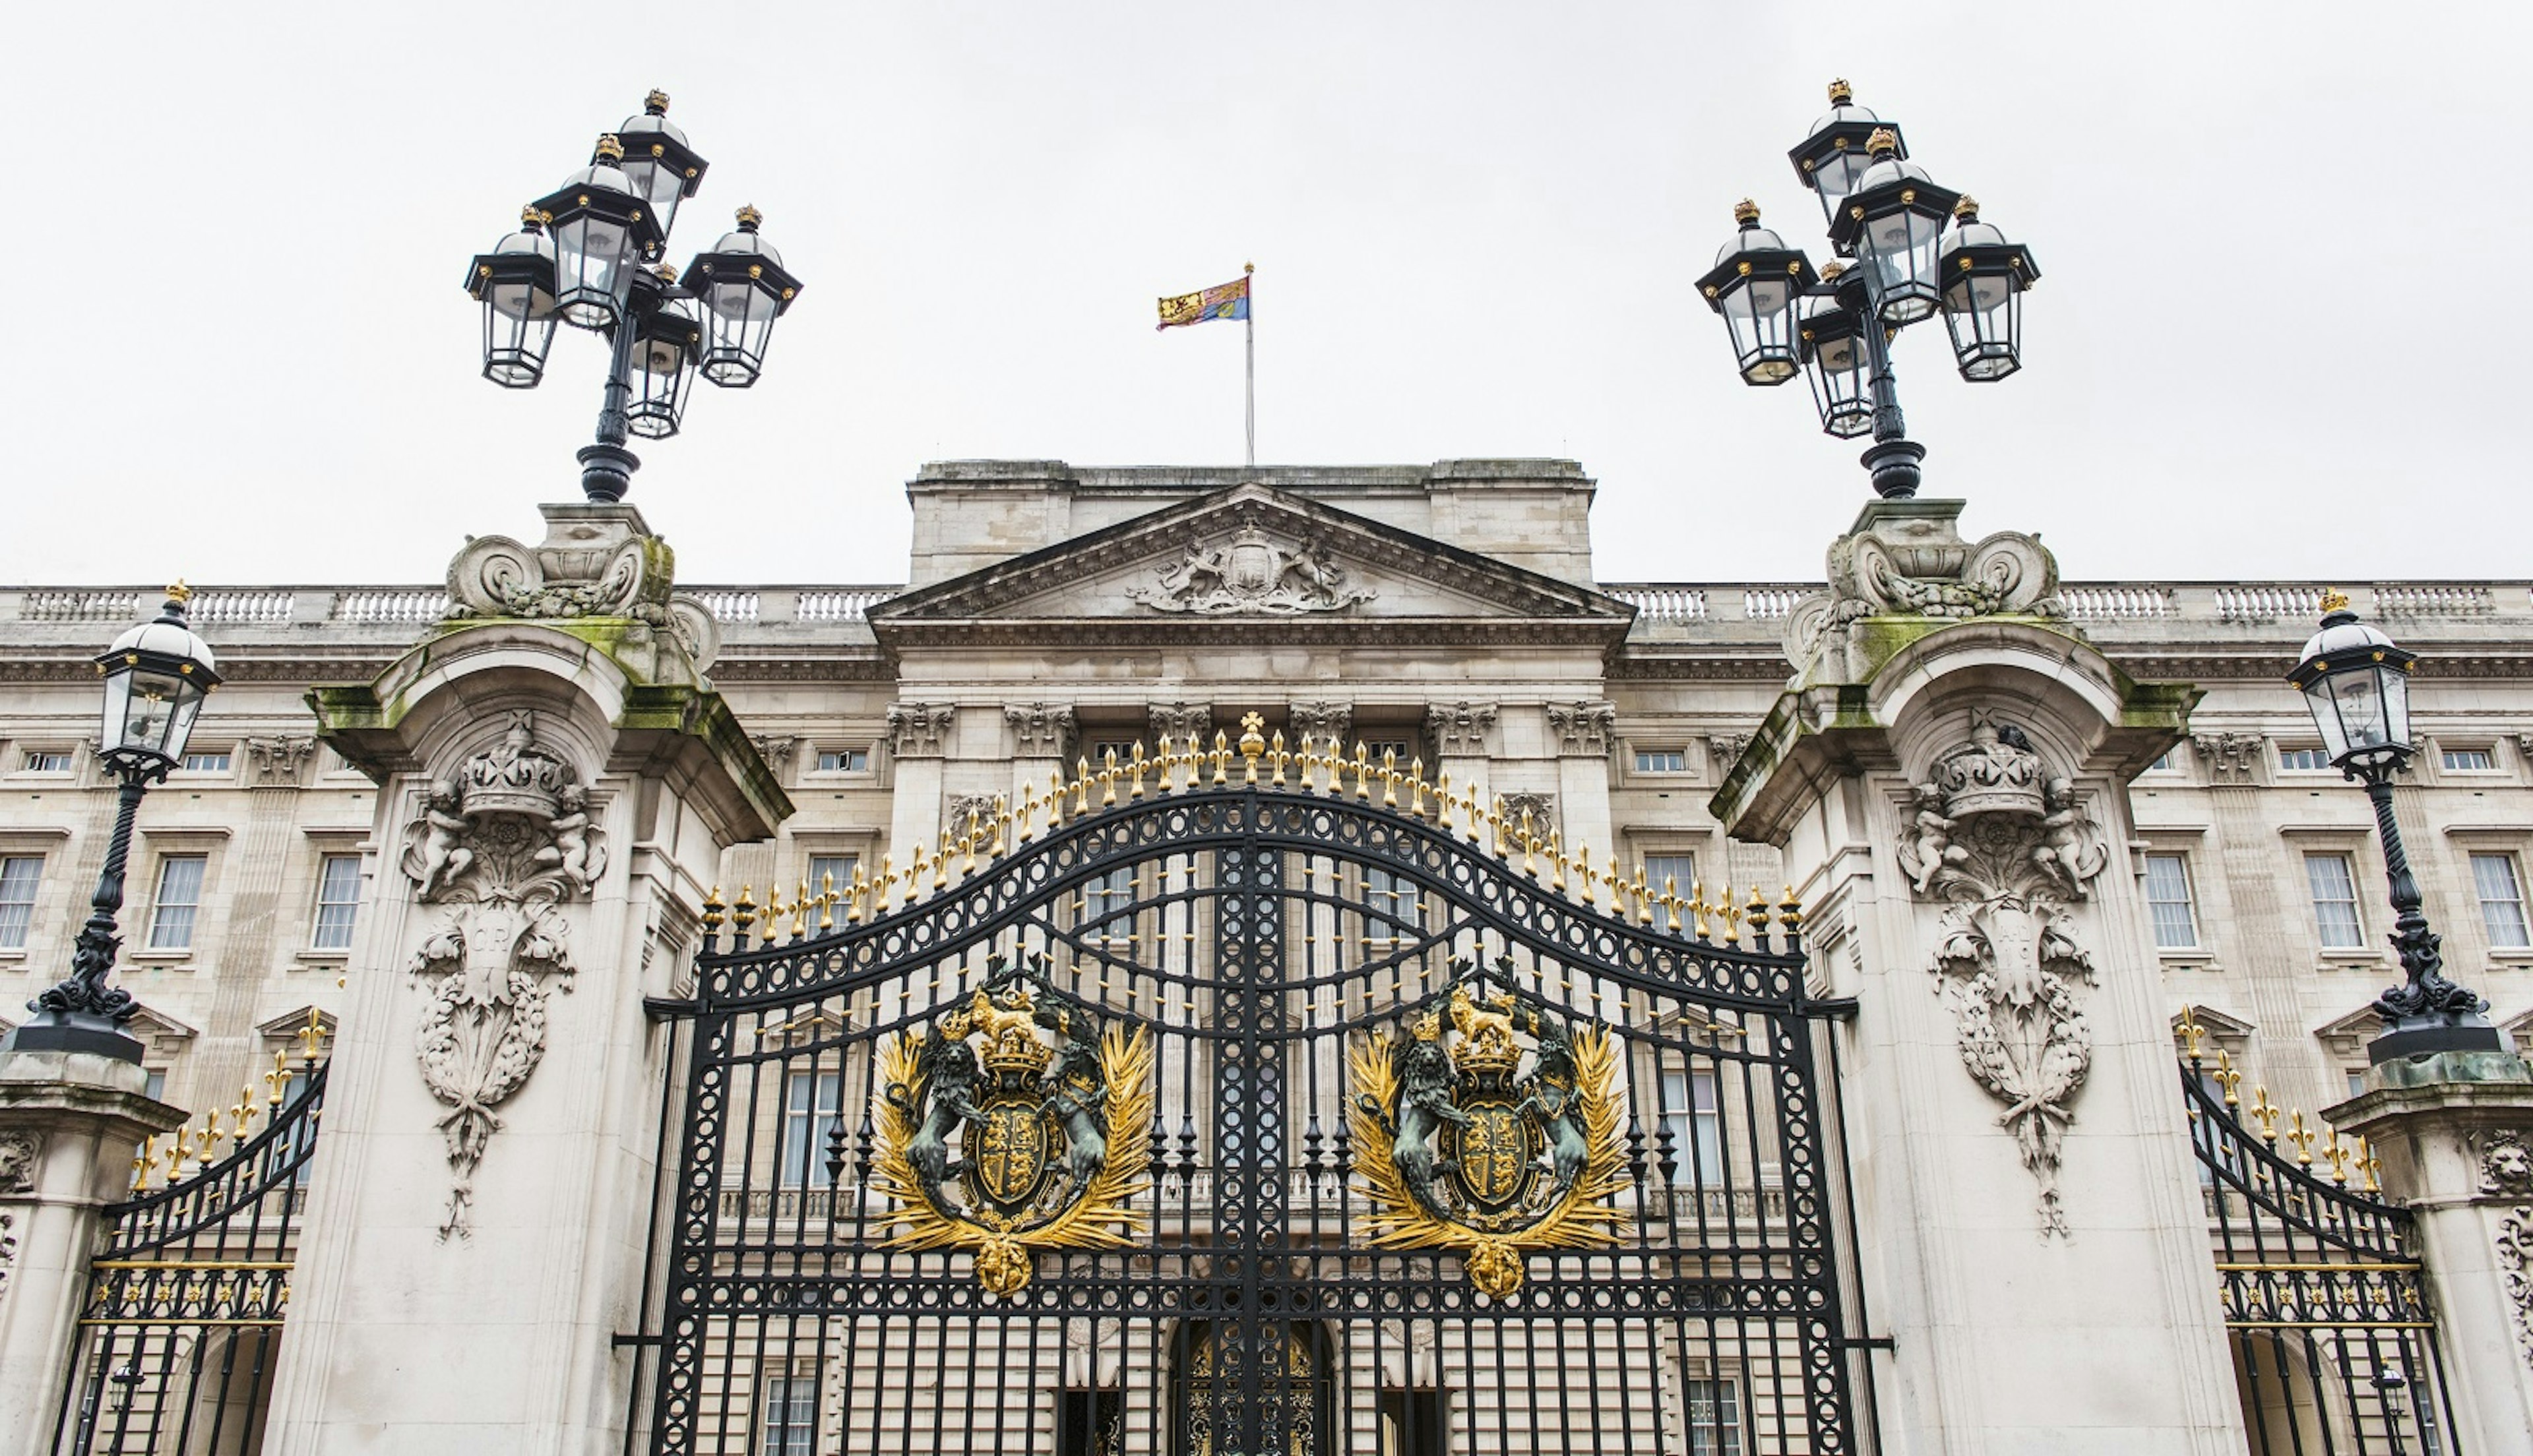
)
(2357, 682)
(1893, 222)
(668, 343)
(663, 169)
(1832, 160)
(744, 289)
(1755, 284)
(1836, 352)
(156, 677)
(1984, 277)
(515, 284)
(602, 230)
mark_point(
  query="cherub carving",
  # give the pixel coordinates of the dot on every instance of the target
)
(2062, 854)
(444, 856)
(572, 851)
(1933, 850)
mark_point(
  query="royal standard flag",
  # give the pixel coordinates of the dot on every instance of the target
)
(1225, 301)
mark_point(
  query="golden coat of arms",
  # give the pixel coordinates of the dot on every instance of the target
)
(1491, 1129)
(1015, 1123)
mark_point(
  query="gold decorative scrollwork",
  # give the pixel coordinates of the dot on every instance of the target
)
(1492, 1129)
(1015, 1123)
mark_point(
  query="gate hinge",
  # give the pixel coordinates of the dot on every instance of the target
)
(668, 1008)
(1836, 1007)
(633, 1342)
(1866, 1342)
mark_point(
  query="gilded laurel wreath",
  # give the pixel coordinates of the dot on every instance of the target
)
(1028, 1145)
(1458, 1153)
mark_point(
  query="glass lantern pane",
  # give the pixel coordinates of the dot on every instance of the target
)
(150, 715)
(2326, 718)
(2359, 697)
(2397, 704)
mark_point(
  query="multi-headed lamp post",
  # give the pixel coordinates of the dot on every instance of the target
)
(2357, 682)
(587, 254)
(1898, 264)
(156, 677)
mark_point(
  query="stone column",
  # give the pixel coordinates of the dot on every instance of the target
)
(556, 793)
(1459, 733)
(1947, 780)
(918, 738)
(1041, 736)
(2454, 1134)
(1582, 733)
(70, 1125)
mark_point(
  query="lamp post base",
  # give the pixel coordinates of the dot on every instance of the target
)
(607, 471)
(1894, 464)
(75, 1031)
(2420, 1036)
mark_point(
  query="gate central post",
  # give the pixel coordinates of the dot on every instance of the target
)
(1250, 1186)
(1947, 775)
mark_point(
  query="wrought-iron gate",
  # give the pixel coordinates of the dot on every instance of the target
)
(179, 1336)
(2334, 1342)
(1241, 1101)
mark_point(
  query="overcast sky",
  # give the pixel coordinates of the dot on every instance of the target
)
(2272, 339)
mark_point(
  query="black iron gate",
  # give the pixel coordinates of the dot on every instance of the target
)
(1239, 1101)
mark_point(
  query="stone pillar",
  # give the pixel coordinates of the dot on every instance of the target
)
(557, 785)
(1459, 733)
(69, 1126)
(1946, 777)
(2454, 1134)
(1582, 734)
(1041, 736)
(919, 739)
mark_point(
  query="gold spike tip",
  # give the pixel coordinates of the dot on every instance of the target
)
(610, 149)
(657, 103)
(2333, 600)
(1884, 139)
(1840, 93)
(1745, 213)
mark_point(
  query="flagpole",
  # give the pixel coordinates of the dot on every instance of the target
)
(1250, 319)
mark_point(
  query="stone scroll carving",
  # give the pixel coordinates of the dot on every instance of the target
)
(504, 844)
(1461, 728)
(2007, 848)
(1910, 561)
(1323, 723)
(1252, 573)
(2506, 1173)
(921, 729)
(1583, 729)
(279, 762)
(591, 565)
(1039, 730)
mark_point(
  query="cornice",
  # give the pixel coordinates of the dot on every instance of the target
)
(1166, 632)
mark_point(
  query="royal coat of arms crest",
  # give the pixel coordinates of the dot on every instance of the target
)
(1014, 1121)
(1491, 1128)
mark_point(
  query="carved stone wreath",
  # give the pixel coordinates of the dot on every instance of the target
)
(1250, 573)
(2006, 847)
(506, 843)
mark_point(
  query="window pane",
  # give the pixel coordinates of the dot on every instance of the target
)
(841, 867)
(790, 1424)
(844, 760)
(1662, 761)
(2303, 758)
(180, 894)
(207, 763)
(2167, 896)
(2502, 899)
(2334, 901)
(338, 900)
(40, 761)
(810, 1101)
(1678, 871)
(2469, 760)
(1714, 1418)
(1695, 1125)
(19, 875)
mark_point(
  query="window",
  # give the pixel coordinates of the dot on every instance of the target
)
(1090, 1423)
(1407, 751)
(2303, 759)
(841, 867)
(1662, 760)
(180, 895)
(18, 874)
(2468, 760)
(212, 762)
(2167, 901)
(2501, 900)
(844, 760)
(155, 1088)
(1677, 872)
(2356, 1083)
(47, 761)
(1098, 749)
(1105, 917)
(1714, 1418)
(2335, 901)
(810, 1106)
(1411, 1422)
(2164, 762)
(338, 900)
(1696, 1126)
(789, 1425)
(1391, 905)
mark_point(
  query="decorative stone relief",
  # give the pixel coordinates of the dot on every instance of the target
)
(2231, 758)
(506, 843)
(1252, 573)
(919, 729)
(1542, 808)
(1179, 720)
(964, 808)
(1907, 559)
(2007, 847)
(1726, 749)
(1041, 730)
(18, 1152)
(778, 751)
(277, 762)
(594, 562)
(1461, 728)
(1322, 722)
(1583, 729)
(2507, 1172)
(8, 1250)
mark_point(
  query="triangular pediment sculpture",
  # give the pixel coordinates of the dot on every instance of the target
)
(1253, 561)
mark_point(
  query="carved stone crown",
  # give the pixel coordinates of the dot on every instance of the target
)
(1992, 774)
(518, 778)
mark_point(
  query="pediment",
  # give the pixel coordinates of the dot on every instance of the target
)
(1253, 562)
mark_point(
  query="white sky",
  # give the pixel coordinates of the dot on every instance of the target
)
(2271, 338)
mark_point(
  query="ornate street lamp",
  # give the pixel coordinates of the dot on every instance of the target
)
(1888, 216)
(2357, 682)
(585, 257)
(156, 677)
(1755, 284)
